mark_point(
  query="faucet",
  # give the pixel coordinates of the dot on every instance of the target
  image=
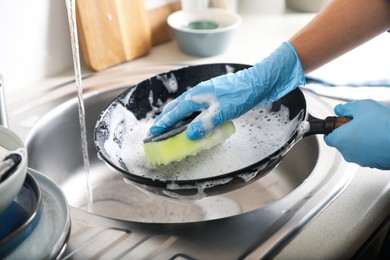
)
(3, 108)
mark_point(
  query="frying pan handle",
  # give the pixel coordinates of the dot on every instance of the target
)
(325, 126)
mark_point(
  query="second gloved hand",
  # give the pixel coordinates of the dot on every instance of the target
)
(366, 139)
(229, 96)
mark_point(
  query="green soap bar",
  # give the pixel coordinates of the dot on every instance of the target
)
(178, 147)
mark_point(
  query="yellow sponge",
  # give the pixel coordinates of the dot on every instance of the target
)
(169, 147)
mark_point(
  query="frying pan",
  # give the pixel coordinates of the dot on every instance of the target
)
(263, 136)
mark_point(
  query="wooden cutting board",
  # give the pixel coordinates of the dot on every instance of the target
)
(112, 31)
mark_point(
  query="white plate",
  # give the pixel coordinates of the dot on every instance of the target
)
(52, 231)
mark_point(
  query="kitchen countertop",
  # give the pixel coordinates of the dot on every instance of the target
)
(348, 221)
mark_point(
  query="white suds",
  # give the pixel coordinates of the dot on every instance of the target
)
(169, 81)
(303, 128)
(259, 133)
(209, 112)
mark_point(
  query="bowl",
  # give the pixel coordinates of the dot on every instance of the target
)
(10, 187)
(204, 33)
(306, 6)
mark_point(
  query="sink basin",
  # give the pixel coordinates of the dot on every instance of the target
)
(54, 149)
(278, 205)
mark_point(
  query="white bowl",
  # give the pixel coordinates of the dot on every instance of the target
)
(204, 42)
(10, 187)
(305, 5)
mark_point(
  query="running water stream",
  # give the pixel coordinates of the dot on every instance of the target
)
(71, 8)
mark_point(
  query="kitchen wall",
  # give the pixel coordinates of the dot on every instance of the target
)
(35, 42)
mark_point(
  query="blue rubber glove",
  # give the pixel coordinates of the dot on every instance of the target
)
(229, 96)
(366, 139)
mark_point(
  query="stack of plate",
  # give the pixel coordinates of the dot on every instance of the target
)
(34, 214)
(20, 218)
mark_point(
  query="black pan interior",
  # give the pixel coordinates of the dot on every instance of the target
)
(133, 111)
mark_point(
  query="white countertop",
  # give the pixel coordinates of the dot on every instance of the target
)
(345, 224)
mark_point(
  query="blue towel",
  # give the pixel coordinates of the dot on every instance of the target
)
(378, 90)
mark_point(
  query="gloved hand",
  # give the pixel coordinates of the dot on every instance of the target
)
(364, 140)
(229, 96)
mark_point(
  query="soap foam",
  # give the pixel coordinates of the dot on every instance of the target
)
(169, 81)
(259, 133)
(209, 112)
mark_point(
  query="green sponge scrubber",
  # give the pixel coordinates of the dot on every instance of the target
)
(174, 145)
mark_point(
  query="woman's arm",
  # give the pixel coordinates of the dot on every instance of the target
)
(341, 26)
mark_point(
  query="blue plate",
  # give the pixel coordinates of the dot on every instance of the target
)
(20, 218)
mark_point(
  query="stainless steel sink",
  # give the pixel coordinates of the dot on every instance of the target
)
(255, 221)
(54, 148)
